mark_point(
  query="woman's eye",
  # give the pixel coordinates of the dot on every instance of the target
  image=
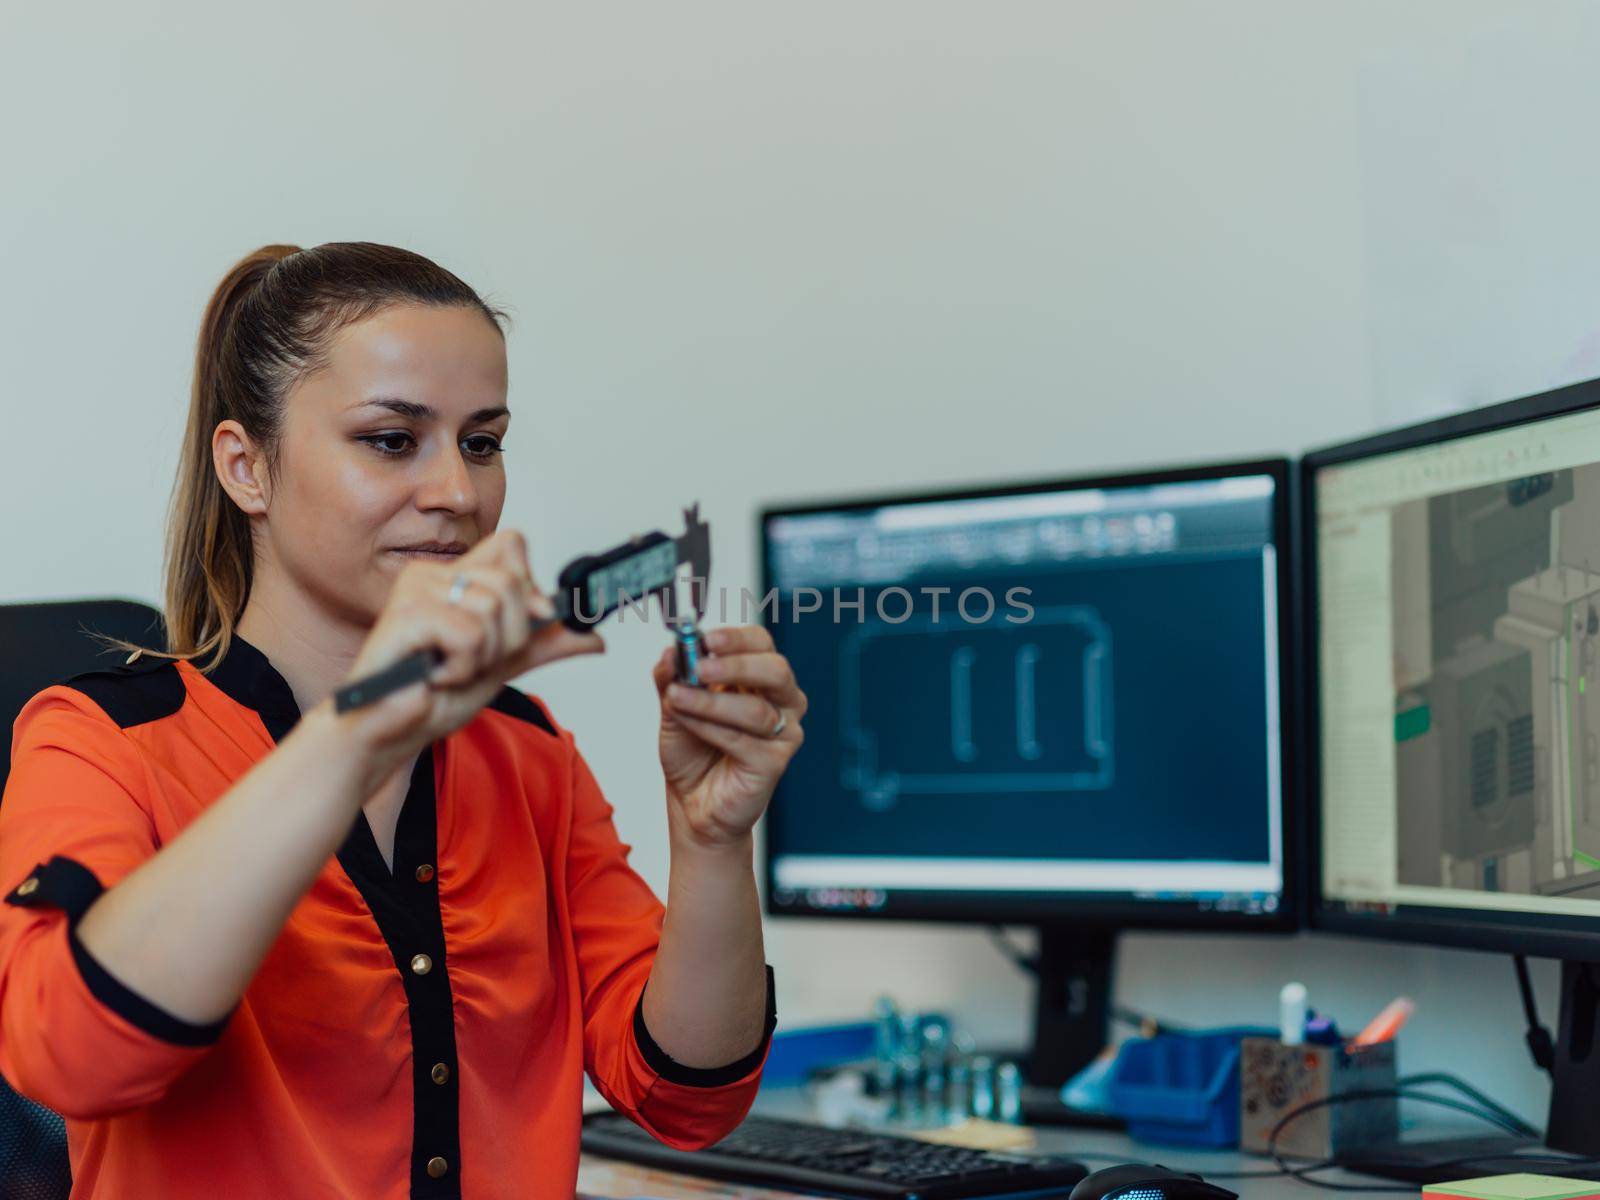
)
(389, 443)
(482, 446)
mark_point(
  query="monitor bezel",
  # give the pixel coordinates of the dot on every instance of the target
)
(1531, 933)
(989, 908)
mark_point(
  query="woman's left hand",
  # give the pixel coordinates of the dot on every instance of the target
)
(718, 751)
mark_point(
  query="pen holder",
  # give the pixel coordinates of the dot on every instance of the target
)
(1275, 1080)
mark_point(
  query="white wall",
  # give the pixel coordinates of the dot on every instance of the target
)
(762, 252)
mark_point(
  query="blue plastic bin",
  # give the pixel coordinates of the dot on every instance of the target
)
(796, 1053)
(1181, 1089)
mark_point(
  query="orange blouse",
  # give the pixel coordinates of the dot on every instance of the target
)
(416, 1034)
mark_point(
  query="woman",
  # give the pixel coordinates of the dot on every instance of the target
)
(254, 947)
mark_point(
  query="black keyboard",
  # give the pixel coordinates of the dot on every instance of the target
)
(838, 1162)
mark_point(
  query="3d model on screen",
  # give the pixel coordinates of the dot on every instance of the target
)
(1026, 707)
(1496, 622)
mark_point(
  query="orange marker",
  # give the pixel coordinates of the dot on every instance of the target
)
(1386, 1024)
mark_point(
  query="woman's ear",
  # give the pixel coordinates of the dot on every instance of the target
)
(240, 466)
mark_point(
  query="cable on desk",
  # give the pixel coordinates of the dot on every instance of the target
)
(1540, 1044)
(1020, 959)
(1404, 1090)
(1486, 1110)
(1508, 1122)
(1028, 964)
(1517, 1124)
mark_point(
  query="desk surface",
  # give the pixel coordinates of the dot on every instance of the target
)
(1097, 1148)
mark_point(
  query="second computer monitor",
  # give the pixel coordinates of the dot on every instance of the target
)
(1059, 701)
(1457, 592)
(1455, 753)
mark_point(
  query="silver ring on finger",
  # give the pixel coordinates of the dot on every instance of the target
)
(458, 589)
(783, 723)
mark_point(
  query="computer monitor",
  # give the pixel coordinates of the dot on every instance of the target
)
(1054, 703)
(1454, 573)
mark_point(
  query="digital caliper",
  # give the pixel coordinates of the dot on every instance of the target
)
(589, 589)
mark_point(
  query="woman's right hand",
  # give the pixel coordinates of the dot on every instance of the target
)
(484, 637)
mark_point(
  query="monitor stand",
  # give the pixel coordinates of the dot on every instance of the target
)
(1072, 1006)
(1574, 1125)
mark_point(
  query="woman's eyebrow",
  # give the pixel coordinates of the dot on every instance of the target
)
(423, 412)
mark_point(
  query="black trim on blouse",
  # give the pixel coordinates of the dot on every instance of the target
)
(245, 675)
(522, 706)
(405, 906)
(670, 1069)
(68, 885)
(137, 693)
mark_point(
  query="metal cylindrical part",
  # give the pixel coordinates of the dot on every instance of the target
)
(982, 1087)
(934, 1035)
(908, 1093)
(961, 1086)
(885, 1045)
(1008, 1093)
(691, 649)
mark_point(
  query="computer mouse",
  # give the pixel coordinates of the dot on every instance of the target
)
(1142, 1181)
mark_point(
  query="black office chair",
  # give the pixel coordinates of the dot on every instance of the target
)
(41, 644)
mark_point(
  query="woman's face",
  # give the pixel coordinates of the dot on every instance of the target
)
(390, 453)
